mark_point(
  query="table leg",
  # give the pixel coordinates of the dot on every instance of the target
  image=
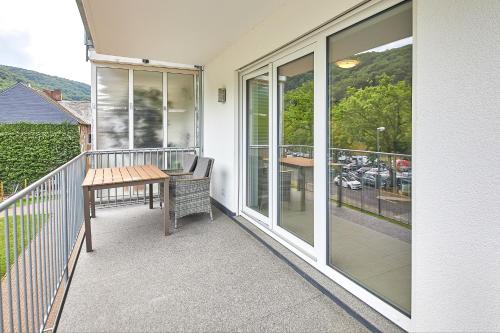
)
(166, 208)
(92, 204)
(302, 188)
(150, 196)
(86, 214)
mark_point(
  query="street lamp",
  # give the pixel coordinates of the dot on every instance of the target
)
(379, 130)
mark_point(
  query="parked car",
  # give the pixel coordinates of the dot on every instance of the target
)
(348, 183)
(370, 179)
(361, 171)
(359, 160)
(384, 172)
(352, 175)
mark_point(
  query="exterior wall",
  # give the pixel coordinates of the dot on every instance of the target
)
(456, 276)
(456, 122)
(293, 19)
(85, 131)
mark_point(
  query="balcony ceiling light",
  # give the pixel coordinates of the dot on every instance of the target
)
(347, 63)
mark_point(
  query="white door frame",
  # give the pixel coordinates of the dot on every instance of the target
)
(309, 250)
(243, 166)
(320, 262)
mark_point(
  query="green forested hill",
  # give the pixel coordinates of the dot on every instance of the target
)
(72, 90)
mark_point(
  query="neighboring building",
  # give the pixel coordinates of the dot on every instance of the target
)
(22, 103)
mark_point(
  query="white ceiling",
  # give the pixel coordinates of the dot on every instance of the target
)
(179, 31)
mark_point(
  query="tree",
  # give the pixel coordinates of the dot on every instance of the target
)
(355, 118)
(298, 115)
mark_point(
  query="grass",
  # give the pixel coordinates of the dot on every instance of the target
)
(11, 239)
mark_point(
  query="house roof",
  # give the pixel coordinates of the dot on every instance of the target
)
(21, 103)
(80, 109)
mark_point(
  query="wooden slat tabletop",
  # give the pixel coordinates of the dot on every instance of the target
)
(113, 176)
(298, 161)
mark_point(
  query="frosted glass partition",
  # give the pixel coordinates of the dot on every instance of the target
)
(148, 109)
(181, 110)
(112, 108)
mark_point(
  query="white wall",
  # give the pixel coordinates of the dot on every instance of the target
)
(292, 20)
(456, 235)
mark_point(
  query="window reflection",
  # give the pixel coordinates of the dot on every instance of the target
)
(148, 109)
(112, 108)
(181, 110)
(257, 163)
(296, 133)
(370, 70)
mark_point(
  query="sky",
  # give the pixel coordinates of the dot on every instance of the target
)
(393, 45)
(44, 35)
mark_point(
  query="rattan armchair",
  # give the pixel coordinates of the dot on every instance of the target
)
(190, 192)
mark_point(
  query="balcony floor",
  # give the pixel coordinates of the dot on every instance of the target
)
(204, 277)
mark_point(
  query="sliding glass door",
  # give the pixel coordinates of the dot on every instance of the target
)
(369, 85)
(257, 157)
(327, 144)
(295, 161)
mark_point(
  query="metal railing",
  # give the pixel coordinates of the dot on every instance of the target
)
(163, 158)
(376, 182)
(41, 225)
(384, 179)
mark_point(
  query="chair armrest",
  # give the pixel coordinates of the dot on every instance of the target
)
(176, 172)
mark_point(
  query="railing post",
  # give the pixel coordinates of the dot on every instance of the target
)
(65, 223)
(379, 184)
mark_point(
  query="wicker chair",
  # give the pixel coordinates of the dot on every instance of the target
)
(188, 164)
(190, 192)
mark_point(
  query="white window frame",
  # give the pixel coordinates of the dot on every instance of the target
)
(319, 257)
(131, 69)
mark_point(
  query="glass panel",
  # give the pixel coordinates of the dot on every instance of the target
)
(296, 152)
(181, 108)
(148, 109)
(370, 73)
(112, 108)
(258, 144)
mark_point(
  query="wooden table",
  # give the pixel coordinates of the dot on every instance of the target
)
(107, 178)
(301, 163)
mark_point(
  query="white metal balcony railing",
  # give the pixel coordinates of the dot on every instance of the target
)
(41, 227)
(375, 182)
(42, 222)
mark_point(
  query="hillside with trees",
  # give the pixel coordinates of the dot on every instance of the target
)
(72, 90)
(376, 92)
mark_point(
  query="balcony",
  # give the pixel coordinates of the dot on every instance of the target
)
(222, 276)
(205, 277)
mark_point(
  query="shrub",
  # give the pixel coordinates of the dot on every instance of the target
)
(30, 151)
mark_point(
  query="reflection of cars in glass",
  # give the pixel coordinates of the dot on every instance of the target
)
(403, 165)
(353, 176)
(348, 183)
(359, 159)
(360, 172)
(406, 186)
(370, 179)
